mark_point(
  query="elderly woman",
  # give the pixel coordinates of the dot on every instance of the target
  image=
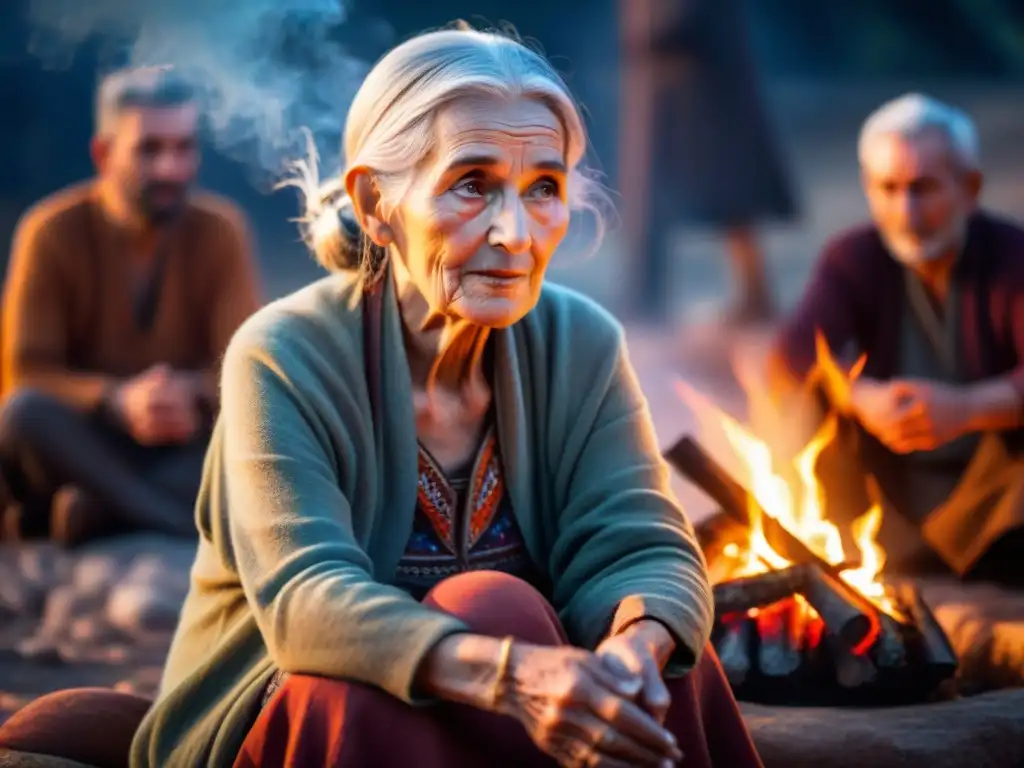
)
(435, 527)
(436, 530)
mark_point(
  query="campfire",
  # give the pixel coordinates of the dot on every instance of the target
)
(803, 615)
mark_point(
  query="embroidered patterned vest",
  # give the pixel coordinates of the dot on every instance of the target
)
(463, 522)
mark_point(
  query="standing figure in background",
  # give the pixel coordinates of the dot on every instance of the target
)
(694, 128)
(121, 297)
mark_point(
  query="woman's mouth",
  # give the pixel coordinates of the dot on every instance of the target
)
(500, 278)
(500, 274)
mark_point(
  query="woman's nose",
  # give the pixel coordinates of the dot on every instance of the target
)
(510, 228)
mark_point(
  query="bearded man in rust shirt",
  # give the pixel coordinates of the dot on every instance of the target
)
(932, 292)
(121, 296)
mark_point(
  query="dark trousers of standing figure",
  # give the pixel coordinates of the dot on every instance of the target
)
(50, 452)
(332, 723)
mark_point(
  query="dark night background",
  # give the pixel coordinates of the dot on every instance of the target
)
(48, 111)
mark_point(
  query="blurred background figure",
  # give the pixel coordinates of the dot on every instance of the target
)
(696, 146)
(121, 296)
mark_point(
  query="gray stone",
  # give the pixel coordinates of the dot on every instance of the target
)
(95, 573)
(91, 630)
(982, 732)
(65, 604)
(40, 650)
(12, 759)
(19, 596)
(44, 564)
(142, 609)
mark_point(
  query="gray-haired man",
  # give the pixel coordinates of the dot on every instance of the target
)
(932, 292)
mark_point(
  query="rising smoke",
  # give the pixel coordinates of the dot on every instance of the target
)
(268, 69)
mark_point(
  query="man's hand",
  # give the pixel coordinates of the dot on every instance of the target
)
(876, 404)
(910, 415)
(158, 407)
(932, 415)
(638, 653)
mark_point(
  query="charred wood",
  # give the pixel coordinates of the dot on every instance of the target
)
(740, 595)
(689, 459)
(734, 647)
(847, 614)
(890, 649)
(853, 670)
(936, 651)
(780, 652)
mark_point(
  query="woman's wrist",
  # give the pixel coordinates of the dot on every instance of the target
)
(655, 635)
(464, 668)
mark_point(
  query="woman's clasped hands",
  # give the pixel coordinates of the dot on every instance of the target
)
(601, 709)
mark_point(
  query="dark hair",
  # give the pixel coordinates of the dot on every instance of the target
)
(139, 87)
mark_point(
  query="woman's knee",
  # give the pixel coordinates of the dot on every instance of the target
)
(498, 604)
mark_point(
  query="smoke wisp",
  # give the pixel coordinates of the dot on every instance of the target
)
(267, 69)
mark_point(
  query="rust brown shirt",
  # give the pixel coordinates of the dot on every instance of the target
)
(69, 323)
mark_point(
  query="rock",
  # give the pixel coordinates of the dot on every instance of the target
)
(65, 604)
(140, 609)
(149, 598)
(92, 629)
(981, 731)
(40, 650)
(19, 596)
(44, 564)
(11, 759)
(170, 578)
(96, 573)
(173, 553)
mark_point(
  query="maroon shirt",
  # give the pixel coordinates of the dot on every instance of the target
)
(856, 294)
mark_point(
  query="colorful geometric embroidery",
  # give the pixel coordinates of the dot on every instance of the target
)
(485, 492)
(440, 502)
(462, 524)
(437, 500)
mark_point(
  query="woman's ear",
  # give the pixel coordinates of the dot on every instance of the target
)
(366, 204)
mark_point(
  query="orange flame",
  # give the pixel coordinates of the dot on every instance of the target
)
(800, 507)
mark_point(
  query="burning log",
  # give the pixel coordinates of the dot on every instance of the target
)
(845, 611)
(780, 653)
(740, 595)
(733, 649)
(853, 670)
(691, 460)
(936, 652)
(802, 634)
(890, 650)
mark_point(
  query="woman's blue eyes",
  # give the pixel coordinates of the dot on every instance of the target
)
(544, 189)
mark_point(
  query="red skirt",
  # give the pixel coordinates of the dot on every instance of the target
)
(316, 721)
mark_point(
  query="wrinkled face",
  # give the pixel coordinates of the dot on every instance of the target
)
(486, 211)
(152, 158)
(919, 197)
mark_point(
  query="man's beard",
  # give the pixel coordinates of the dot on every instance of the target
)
(913, 251)
(161, 203)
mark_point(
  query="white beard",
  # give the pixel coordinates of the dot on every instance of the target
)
(911, 251)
